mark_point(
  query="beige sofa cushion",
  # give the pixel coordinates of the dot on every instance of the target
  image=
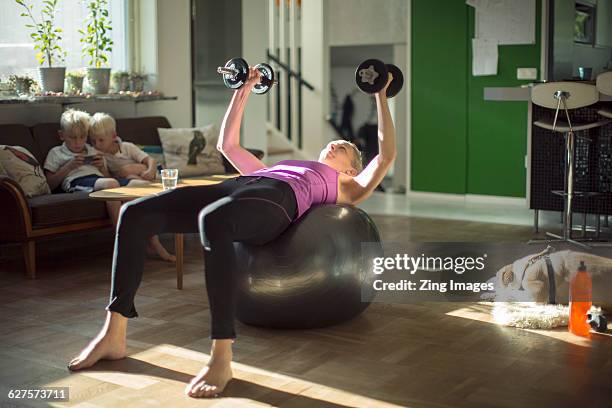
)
(20, 165)
(192, 151)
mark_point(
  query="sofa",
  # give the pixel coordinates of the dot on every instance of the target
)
(25, 220)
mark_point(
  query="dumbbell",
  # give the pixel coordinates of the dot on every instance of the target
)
(236, 72)
(371, 77)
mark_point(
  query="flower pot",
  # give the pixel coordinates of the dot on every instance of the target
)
(137, 84)
(74, 85)
(97, 80)
(22, 87)
(121, 83)
(51, 78)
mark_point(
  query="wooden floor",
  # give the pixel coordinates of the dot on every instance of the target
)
(423, 355)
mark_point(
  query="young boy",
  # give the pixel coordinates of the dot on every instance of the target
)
(75, 165)
(125, 161)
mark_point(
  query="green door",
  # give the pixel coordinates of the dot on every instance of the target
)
(460, 142)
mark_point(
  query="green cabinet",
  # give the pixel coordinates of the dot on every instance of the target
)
(460, 142)
(439, 96)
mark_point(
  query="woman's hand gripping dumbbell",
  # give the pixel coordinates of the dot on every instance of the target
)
(372, 76)
(236, 73)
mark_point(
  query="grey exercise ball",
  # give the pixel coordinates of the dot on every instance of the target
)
(312, 275)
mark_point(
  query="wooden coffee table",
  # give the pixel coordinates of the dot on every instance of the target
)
(129, 193)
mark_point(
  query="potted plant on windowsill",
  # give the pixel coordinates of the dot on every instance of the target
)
(121, 81)
(137, 81)
(96, 46)
(46, 40)
(21, 85)
(74, 82)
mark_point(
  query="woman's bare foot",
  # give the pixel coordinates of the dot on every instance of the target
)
(211, 381)
(156, 247)
(213, 378)
(109, 344)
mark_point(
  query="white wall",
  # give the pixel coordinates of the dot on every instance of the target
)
(29, 114)
(589, 56)
(315, 69)
(254, 45)
(166, 54)
(368, 29)
(603, 29)
(568, 56)
(408, 92)
(400, 105)
(363, 22)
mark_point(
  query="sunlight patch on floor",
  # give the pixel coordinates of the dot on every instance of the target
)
(482, 313)
(184, 364)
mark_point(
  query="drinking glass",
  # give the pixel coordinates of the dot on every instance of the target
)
(585, 73)
(169, 178)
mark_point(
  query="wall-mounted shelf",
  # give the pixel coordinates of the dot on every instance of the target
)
(40, 109)
(71, 100)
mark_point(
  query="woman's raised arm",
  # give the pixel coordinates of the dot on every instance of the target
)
(366, 181)
(229, 136)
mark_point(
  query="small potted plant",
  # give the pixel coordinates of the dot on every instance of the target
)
(5, 88)
(20, 84)
(137, 81)
(121, 81)
(74, 82)
(96, 46)
(46, 38)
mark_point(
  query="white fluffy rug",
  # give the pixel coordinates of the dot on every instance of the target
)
(532, 315)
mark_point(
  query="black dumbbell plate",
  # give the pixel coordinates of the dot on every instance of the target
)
(267, 79)
(371, 75)
(240, 78)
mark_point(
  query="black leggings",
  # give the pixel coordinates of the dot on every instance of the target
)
(248, 209)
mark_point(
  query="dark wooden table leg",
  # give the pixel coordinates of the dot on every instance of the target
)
(178, 248)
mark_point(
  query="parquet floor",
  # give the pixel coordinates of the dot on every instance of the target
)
(420, 355)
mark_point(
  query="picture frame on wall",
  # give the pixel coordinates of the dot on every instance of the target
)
(584, 23)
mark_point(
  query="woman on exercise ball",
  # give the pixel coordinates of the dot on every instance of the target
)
(255, 208)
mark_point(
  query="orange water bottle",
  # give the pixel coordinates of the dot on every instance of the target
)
(581, 288)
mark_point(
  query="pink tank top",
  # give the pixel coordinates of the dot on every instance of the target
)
(312, 182)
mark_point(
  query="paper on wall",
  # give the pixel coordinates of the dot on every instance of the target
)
(507, 21)
(484, 57)
(474, 3)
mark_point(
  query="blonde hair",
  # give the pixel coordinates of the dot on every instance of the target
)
(357, 162)
(73, 119)
(103, 122)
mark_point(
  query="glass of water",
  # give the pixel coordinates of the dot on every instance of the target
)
(169, 178)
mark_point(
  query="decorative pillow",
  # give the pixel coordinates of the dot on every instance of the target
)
(155, 151)
(192, 151)
(20, 165)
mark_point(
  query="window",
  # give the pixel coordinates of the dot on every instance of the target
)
(17, 54)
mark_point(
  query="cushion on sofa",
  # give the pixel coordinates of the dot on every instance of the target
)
(57, 209)
(19, 135)
(20, 165)
(192, 151)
